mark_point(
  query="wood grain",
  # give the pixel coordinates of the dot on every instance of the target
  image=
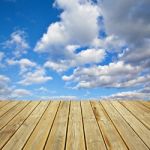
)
(57, 137)
(93, 136)
(74, 125)
(26, 128)
(75, 135)
(137, 126)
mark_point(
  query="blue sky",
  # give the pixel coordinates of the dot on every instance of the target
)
(74, 50)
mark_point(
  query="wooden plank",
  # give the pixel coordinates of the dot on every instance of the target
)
(4, 109)
(7, 132)
(38, 138)
(11, 113)
(106, 125)
(57, 137)
(146, 103)
(3, 103)
(75, 135)
(20, 137)
(110, 134)
(93, 136)
(140, 111)
(129, 136)
(138, 127)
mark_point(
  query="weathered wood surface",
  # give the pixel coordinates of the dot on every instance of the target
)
(74, 125)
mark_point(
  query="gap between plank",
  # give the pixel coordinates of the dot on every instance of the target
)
(21, 124)
(98, 126)
(52, 125)
(134, 115)
(130, 126)
(114, 124)
(16, 114)
(83, 127)
(37, 124)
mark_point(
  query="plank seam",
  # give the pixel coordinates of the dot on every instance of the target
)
(21, 124)
(51, 126)
(10, 109)
(4, 104)
(134, 115)
(85, 142)
(145, 105)
(15, 115)
(37, 124)
(131, 127)
(114, 125)
(99, 127)
(67, 125)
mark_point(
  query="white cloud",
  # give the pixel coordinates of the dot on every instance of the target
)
(110, 43)
(24, 63)
(5, 90)
(50, 40)
(78, 27)
(130, 95)
(17, 43)
(61, 97)
(88, 56)
(57, 66)
(4, 80)
(63, 37)
(1, 56)
(74, 41)
(115, 74)
(129, 20)
(71, 29)
(35, 77)
(19, 93)
(42, 89)
(132, 20)
(138, 55)
(9, 92)
(140, 80)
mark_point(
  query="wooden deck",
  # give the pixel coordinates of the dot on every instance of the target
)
(80, 125)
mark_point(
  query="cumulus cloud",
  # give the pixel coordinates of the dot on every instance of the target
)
(132, 69)
(71, 29)
(141, 94)
(130, 21)
(64, 37)
(17, 43)
(7, 91)
(2, 55)
(115, 74)
(19, 93)
(35, 77)
(111, 43)
(61, 97)
(30, 72)
(75, 42)
(88, 56)
(24, 63)
(42, 89)
(138, 55)
(4, 85)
